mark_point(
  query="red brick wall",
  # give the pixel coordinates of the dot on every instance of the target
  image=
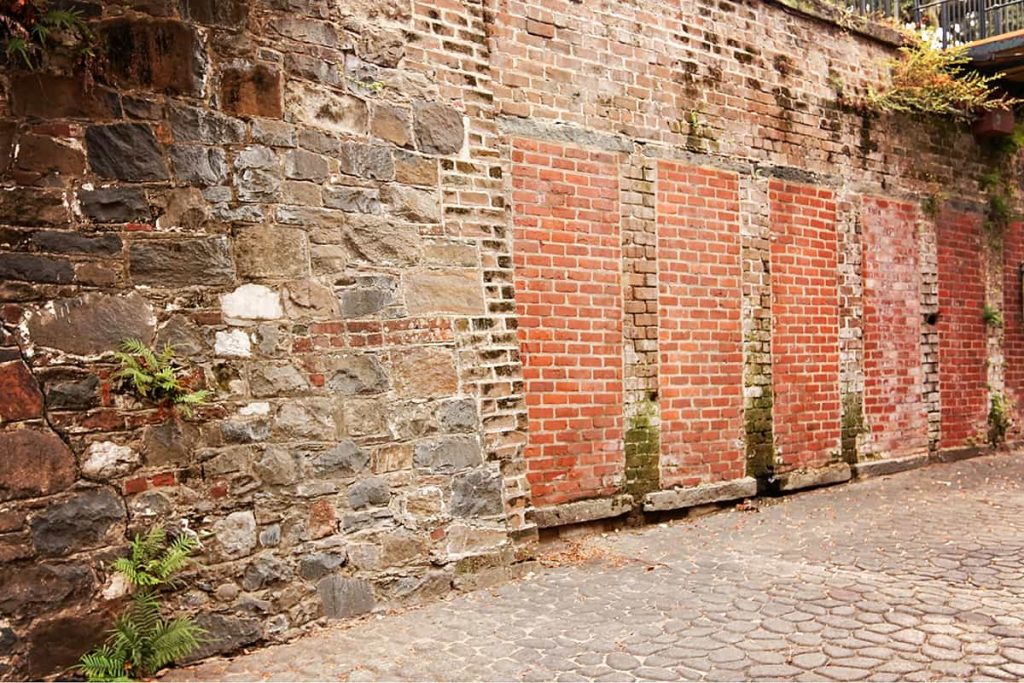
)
(805, 324)
(894, 407)
(962, 334)
(700, 336)
(1013, 320)
(567, 260)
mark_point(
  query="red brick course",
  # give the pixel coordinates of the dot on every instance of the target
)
(894, 407)
(805, 325)
(567, 259)
(700, 336)
(962, 334)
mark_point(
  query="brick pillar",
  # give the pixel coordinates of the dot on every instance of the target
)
(1013, 323)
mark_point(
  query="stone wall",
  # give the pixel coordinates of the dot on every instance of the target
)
(456, 271)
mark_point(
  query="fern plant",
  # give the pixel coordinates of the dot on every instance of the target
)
(158, 377)
(142, 641)
(28, 28)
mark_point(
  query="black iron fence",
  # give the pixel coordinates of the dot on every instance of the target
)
(955, 22)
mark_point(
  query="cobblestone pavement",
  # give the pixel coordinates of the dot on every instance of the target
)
(916, 576)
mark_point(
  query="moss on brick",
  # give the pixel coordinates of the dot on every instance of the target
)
(853, 425)
(643, 447)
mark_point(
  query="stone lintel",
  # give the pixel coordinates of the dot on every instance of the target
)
(954, 454)
(836, 473)
(676, 499)
(582, 511)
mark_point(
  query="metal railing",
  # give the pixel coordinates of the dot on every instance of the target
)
(964, 21)
(955, 22)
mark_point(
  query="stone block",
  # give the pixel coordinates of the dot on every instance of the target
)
(222, 13)
(181, 262)
(370, 295)
(251, 91)
(447, 454)
(232, 344)
(878, 468)
(198, 165)
(309, 420)
(439, 128)
(61, 242)
(326, 109)
(115, 205)
(251, 302)
(464, 541)
(476, 493)
(104, 460)
(34, 462)
(835, 473)
(49, 96)
(302, 165)
(72, 393)
(55, 645)
(392, 123)
(41, 157)
(309, 299)
(341, 597)
(459, 291)
(352, 199)
(412, 204)
(31, 587)
(277, 467)
(346, 459)
(356, 374)
(318, 565)
(414, 169)
(369, 491)
(236, 534)
(125, 151)
(190, 124)
(676, 499)
(20, 397)
(30, 206)
(227, 633)
(82, 521)
(34, 268)
(276, 380)
(170, 443)
(374, 241)
(424, 372)
(162, 55)
(582, 511)
(8, 132)
(92, 323)
(372, 162)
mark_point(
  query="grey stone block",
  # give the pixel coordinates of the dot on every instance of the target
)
(582, 511)
(835, 473)
(877, 468)
(677, 499)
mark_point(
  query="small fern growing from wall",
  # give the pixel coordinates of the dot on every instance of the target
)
(999, 421)
(142, 641)
(158, 377)
(992, 316)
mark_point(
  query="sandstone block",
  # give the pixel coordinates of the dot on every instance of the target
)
(424, 372)
(20, 397)
(326, 109)
(251, 91)
(163, 55)
(373, 162)
(392, 123)
(34, 462)
(444, 291)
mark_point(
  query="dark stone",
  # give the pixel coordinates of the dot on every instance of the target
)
(346, 459)
(20, 398)
(76, 243)
(33, 268)
(367, 161)
(352, 199)
(341, 597)
(115, 205)
(183, 334)
(370, 295)
(457, 416)
(29, 587)
(92, 323)
(73, 394)
(125, 151)
(319, 565)
(33, 207)
(476, 494)
(369, 491)
(226, 13)
(162, 55)
(447, 453)
(225, 633)
(181, 263)
(203, 166)
(34, 462)
(48, 96)
(79, 522)
(439, 128)
(252, 91)
(189, 124)
(57, 644)
(265, 571)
